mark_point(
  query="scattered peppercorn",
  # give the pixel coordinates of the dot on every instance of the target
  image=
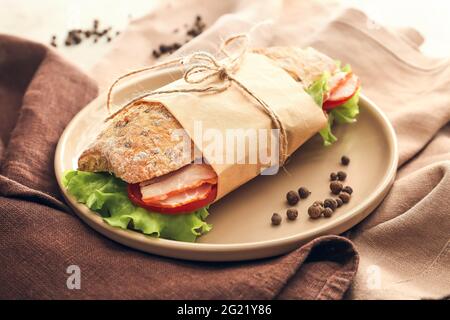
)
(348, 189)
(345, 160)
(292, 214)
(318, 208)
(341, 175)
(327, 212)
(196, 29)
(315, 212)
(318, 203)
(156, 54)
(336, 187)
(76, 36)
(276, 219)
(333, 176)
(163, 49)
(330, 203)
(292, 198)
(53, 41)
(345, 197)
(303, 192)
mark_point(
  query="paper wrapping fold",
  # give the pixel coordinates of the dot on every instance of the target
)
(235, 109)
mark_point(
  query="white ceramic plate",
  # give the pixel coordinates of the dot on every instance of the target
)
(241, 220)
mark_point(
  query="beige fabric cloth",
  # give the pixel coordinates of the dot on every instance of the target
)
(405, 243)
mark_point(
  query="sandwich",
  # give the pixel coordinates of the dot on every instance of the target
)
(136, 176)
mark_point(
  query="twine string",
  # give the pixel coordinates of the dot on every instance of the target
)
(200, 67)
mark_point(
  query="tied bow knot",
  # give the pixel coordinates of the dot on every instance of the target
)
(202, 66)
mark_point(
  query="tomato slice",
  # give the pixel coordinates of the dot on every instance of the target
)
(342, 93)
(134, 193)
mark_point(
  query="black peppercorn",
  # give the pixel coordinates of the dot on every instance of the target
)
(345, 160)
(176, 46)
(341, 175)
(330, 203)
(345, 197)
(339, 202)
(156, 54)
(292, 198)
(315, 212)
(163, 48)
(327, 212)
(336, 187)
(318, 203)
(292, 214)
(303, 192)
(348, 189)
(276, 219)
(333, 176)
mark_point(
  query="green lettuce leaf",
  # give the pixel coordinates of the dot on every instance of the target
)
(107, 195)
(327, 135)
(318, 88)
(317, 91)
(345, 113)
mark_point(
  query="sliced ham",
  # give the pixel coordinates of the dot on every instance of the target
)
(346, 89)
(337, 80)
(342, 93)
(185, 197)
(187, 178)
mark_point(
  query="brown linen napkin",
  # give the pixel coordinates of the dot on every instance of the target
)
(40, 238)
(405, 243)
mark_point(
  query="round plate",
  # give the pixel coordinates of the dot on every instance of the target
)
(241, 221)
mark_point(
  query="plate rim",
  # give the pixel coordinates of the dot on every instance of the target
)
(221, 252)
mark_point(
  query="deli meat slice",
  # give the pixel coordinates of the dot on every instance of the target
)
(338, 80)
(184, 179)
(185, 197)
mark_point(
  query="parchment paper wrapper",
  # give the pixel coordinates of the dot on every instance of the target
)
(235, 109)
